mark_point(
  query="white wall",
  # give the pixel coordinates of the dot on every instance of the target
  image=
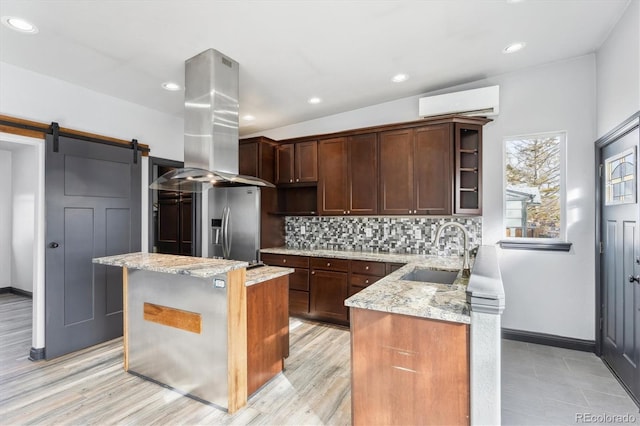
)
(618, 71)
(25, 186)
(37, 97)
(6, 214)
(546, 292)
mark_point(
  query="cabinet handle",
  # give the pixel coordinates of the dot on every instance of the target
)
(348, 211)
(290, 180)
(297, 180)
(344, 212)
(313, 272)
(328, 264)
(366, 268)
(366, 281)
(284, 260)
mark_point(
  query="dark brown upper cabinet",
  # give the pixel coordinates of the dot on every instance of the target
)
(396, 172)
(432, 167)
(416, 170)
(297, 163)
(347, 175)
(257, 158)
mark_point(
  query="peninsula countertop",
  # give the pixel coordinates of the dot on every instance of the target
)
(395, 295)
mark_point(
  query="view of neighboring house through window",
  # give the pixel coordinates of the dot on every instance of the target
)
(534, 192)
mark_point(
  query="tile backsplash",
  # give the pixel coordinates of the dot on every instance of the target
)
(392, 234)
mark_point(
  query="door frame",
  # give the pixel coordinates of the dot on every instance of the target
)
(627, 126)
(196, 247)
(38, 314)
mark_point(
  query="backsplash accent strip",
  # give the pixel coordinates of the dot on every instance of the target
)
(393, 234)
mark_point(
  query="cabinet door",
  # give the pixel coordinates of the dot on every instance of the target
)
(328, 291)
(332, 176)
(248, 159)
(396, 172)
(433, 175)
(306, 162)
(284, 163)
(168, 232)
(362, 191)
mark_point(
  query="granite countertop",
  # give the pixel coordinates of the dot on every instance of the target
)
(200, 267)
(265, 273)
(395, 295)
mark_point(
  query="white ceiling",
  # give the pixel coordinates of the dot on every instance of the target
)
(342, 51)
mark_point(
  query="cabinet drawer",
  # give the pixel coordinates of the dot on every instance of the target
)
(327, 264)
(299, 280)
(391, 267)
(362, 280)
(368, 268)
(298, 302)
(285, 260)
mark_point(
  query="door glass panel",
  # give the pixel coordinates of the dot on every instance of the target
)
(621, 178)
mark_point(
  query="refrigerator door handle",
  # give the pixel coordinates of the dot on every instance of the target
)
(226, 242)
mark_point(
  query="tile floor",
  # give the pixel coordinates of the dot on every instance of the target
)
(543, 385)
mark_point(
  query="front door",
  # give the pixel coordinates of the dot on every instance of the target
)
(92, 201)
(620, 261)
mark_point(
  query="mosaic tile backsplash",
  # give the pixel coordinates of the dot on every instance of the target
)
(381, 233)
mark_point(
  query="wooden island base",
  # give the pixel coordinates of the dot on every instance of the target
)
(408, 370)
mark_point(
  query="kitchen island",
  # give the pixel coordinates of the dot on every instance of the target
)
(207, 328)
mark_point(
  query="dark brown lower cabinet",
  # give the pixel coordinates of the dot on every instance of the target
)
(328, 291)
(298, 281)
(408, 370)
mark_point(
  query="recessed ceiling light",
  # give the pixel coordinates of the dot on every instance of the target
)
(399, 78)
(514, 47)
(19, 24)
(171, 86)
(314, 100)
(248, 117)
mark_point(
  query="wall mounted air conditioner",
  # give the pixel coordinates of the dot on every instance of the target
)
(484, 102)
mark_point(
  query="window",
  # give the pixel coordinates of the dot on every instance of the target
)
(621, 178)
(534, 188)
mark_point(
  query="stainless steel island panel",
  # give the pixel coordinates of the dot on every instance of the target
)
(191, 362)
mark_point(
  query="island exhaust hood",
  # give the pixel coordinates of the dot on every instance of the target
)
(211, 142)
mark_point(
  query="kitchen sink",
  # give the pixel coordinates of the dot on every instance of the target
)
(431, 276)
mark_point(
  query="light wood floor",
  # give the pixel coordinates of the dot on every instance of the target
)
(90, 387)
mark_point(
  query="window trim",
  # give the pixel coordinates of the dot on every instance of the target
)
(529, 243)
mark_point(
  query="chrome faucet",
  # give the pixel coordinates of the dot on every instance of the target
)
(466, 270)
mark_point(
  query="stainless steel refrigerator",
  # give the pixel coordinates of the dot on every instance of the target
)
(234, 219)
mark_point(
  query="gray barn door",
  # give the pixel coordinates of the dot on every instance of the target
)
(620, 267)
(92, 198)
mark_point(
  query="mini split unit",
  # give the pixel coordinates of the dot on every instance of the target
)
(483, 102)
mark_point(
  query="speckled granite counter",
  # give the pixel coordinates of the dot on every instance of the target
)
(265, 273)
(194, 266)
(394, 295)
(171, 264)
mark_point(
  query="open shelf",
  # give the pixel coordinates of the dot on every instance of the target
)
(468, 176)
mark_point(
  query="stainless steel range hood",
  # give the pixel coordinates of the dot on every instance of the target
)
(210, 127)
